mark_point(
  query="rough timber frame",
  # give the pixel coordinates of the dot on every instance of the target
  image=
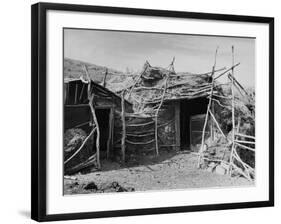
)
(248, 170)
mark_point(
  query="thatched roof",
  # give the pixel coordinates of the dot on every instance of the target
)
(185, 86)
(148, 91)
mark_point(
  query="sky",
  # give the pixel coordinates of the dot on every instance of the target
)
(193, 53)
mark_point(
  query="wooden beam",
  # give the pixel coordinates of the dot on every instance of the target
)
(231, 68)
(98, 130)
(141, 124)
(140, 143)
(140, 135)
(246, 136)
(75, 97)
(104, 79)
(82, 124)
(245, 147)
(177, 125)
(156, 115)
(200, 86)
(236, 86)
(239, 85)
(233, 115)
(207, 114)
(245, 142)
(95, 120)
(123, 141)
(224, 97)
(81, 93)
(219, 103)
(112, 129)
(67, 94)
(108, 143)
(64, 92)
(212, 123)
(206, 73)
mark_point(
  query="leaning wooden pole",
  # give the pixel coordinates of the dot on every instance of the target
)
(138, 79)
(156, 115)
(123, 140)
(212, 123)
(98, 130)
(207, 114)
(233, 116)
(171, 69)
(95, 120)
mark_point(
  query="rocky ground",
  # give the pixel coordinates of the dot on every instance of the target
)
(168, 171)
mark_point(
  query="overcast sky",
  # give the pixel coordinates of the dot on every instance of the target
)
(121, 50)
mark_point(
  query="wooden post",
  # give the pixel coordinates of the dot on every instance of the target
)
(238, 85)
(98, 130)
(81, 93)
(233, 116)
(212, 123)
(65, 92)
(207, 113)
(104, 78)
(110, 136)
(95, 120)
(238, 125)
(112, 129)
(123, 146)
(177, 125)
(204, 127)
(76, 89)
(156, 115)
(227, 71)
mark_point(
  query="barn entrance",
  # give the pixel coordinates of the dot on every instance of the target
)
(192, 116)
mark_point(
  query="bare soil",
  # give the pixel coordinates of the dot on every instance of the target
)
(171, 170)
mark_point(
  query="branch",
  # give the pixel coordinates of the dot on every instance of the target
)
(81, 147)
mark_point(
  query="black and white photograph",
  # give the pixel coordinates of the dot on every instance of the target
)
(139, 112)
(148, 111)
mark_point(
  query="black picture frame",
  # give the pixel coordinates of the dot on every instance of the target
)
(39, 122)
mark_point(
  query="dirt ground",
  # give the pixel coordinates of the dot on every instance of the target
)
(171, 170)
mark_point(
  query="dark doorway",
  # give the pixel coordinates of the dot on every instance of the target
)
(103, 120)
(189, 108)
(80, 117)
